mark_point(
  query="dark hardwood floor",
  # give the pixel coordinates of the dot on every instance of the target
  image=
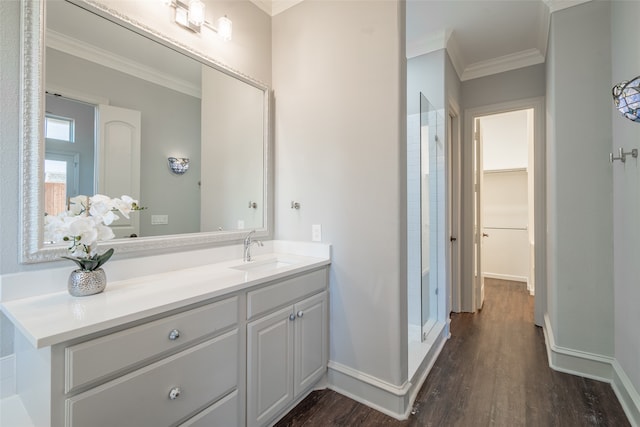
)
(492, 372)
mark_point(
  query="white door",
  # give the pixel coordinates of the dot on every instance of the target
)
(118, 163)
(269, 366)
(479, 234)
(454, 202)
(310, 341)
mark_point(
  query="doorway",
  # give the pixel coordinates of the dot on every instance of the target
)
(505, 190)
(504, 211)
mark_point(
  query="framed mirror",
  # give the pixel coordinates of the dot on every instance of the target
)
(188, 106)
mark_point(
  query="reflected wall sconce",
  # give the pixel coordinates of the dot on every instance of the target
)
(190, 14)
(179, 166)
(626, 97)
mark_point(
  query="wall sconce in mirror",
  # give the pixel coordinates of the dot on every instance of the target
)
(190, 14)
(626, 97)
(179, 166)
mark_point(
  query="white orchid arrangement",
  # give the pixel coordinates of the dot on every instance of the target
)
(85, 224)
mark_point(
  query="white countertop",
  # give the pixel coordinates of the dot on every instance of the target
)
(53, 318)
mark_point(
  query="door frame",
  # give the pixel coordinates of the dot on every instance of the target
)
(454, 204)
(468, 290)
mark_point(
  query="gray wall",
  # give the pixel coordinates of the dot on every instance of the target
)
(340, 151)
(626, 196)
(580, 218)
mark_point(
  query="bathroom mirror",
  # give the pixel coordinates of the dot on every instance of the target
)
(226, 191)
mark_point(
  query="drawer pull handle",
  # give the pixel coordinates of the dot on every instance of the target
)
(174, 335)
(300, 313)
(292, 317)
(174, 393)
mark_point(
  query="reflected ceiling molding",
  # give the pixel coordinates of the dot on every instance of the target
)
(89, 52)
(556, 5)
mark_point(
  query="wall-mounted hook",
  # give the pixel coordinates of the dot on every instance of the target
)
(622, 156)
(253, 205)
(295, 205)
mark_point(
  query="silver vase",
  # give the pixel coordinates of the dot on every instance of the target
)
(82, 283)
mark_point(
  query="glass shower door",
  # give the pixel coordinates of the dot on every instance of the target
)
(431, 212)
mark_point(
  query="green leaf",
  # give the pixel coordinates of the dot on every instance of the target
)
(93, 263)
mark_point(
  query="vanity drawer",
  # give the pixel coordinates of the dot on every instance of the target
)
(273, 296)
(95, 359)
(223, 413)
(202, 373)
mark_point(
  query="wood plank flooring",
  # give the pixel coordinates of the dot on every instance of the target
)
(492, 372)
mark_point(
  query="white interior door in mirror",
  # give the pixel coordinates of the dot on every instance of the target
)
(119, 167)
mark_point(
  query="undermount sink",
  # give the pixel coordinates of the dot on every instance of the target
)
(263, 265)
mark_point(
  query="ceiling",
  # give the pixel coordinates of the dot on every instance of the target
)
(482, 37)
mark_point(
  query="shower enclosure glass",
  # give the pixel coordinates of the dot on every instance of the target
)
(425, 219)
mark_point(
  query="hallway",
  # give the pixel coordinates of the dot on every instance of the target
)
(492, 372)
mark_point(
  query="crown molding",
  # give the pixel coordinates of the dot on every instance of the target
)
(89, 52)
(504, 63)
(274, 7)
(556, 5)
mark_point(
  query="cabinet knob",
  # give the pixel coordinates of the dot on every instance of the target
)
(292, 316)
(300, 313)
(174, 335)
(174, 393)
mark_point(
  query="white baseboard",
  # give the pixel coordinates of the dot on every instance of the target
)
(576, 362)
(626, 393)
(594, 366)
(7, 376)
(392, 400)
(509, 277)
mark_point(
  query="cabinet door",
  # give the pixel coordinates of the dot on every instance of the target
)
(310, 341)
(269, 366)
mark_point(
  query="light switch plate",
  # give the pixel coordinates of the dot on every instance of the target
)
(316, 233)
(159, 219)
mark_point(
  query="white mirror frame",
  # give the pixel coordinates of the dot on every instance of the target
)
(32, 143)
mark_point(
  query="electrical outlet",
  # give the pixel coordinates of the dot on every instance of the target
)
(159, 219)
(240, 224)
(316, 233)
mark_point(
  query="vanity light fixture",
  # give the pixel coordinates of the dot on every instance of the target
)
(626, 97)
(190, 14)
(179, 166)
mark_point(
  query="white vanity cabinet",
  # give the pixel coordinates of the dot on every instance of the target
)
(224, 347)
(286, 344)
(182, 369)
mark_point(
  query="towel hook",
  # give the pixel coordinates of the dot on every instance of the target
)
(622, 156)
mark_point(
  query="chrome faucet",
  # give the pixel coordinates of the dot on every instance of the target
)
(248, 241)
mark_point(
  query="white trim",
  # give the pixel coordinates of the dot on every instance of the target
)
(596, 367)
(509, 277)
(274, 7)
(393, 400)
(468, 296)
(369, 379)
(556, 5)
(576, 362)
(504, 63)
(627, 394)
(86, 51)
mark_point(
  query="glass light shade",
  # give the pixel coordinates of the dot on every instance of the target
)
(626, 97)
(225, 28)
(196, 12)
(178, 165)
